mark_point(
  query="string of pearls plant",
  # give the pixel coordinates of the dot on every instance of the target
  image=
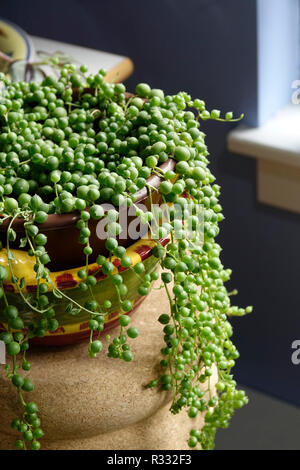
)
(72, 143)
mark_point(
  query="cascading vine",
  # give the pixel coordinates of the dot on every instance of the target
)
(73, 143)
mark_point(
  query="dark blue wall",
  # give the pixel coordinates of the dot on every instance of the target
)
(208, 48)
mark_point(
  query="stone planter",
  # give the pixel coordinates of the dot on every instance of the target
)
(102, 403)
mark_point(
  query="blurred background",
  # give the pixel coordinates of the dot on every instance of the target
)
(240, 56)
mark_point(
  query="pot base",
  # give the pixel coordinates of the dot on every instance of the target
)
(102, 403)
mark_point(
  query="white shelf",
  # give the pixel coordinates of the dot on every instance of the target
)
(118, 67)
(276, 146)
(277, 140)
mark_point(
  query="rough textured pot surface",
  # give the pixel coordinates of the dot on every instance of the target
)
(102, 403)
(62, 245)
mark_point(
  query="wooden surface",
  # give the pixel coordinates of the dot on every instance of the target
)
(118, 67)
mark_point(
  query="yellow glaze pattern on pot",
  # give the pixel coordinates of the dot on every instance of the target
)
(23, 267)
(75, 328)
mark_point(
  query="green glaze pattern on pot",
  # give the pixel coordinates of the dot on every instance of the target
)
(104, 290)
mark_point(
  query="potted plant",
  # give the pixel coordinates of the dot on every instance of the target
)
(99, 189)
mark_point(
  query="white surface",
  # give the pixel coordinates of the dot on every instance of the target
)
(94, 59)
(277, 140)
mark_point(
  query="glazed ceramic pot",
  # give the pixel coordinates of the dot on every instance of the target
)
(74, 328)
(67, 258)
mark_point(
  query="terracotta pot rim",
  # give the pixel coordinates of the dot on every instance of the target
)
(56, 221)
